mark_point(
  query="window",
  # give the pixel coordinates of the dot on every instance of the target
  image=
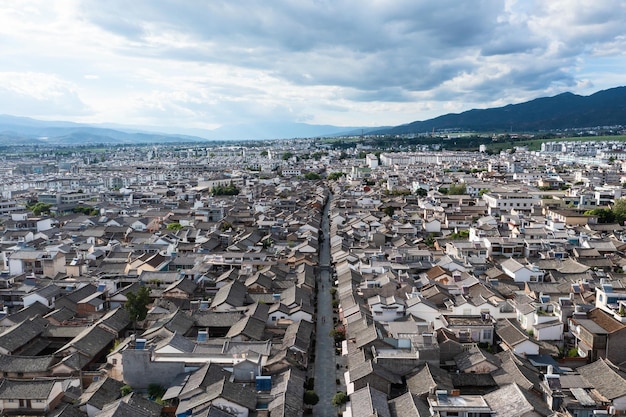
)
(378, 313)
(114, 361)
(487, 334)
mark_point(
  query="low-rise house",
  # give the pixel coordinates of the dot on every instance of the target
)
(25, 367)
(452, 403)
(238, 398)
(368, 401)
(514, 339)
(513, 401)
(100, 393)
(476, 360)
(23, 337)
(522, 273)
(21, 397)
(471, 329)
(38, 263)
(372, 374)
(608, 381)
(386, 308)
(599, 335)
(46, 296)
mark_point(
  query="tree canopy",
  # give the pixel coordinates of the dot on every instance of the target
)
(230, 189)
(137, 303)
(40, 208)
(615, 214)
(333, 176)
(457, 189)
(174, 226)
(312, 176)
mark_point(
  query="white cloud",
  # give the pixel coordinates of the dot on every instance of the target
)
(354, 62)
(39, 94)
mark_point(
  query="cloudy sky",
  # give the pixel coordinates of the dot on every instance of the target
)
(211, 63)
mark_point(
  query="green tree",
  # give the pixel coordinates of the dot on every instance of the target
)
(125, 390)
(604, 215)
(340, 399)
(338, 333)
(389, 210)
(458, 189)
(230, 189)
(310, 397)
(40, 208)
(333, 176)
(461, 234)
(287, 155)
(421, 192)
(174, 226)
(137, 303)
(312, 176)
(155, 391)
(619, 210)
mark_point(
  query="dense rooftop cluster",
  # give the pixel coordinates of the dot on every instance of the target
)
(467, 283)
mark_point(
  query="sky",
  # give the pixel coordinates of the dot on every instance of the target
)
(211, 63)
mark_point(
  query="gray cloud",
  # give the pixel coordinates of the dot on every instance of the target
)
(298, 59)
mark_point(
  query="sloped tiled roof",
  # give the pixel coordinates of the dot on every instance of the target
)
(369, 401)
(605, 378)
(25, 364)
(25, 390)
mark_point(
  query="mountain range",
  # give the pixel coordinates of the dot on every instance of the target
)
(567, 110)
(563, 111)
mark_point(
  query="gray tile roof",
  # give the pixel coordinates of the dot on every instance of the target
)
(49, 292)
(250, 327)
(178, 342)
(116, 320)
(514, 369)
(369, 401)
(408, 405)
(60, 314)
(35, 309)
(67, 410)
(211, 411)
(368, 367)
(299, 335)
(203, 377)
(509, 333)
(178, 322)
(20, 334)
(90, 342)
(101, 392)
(150, 408)
(473, 357)
(427, 378)
(207, 318)
(605, 378)
(508, 401)
(25, 390)
(233, 294)
(25, 364)
(121, 409)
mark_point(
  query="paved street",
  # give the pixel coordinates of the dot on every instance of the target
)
(325, 371)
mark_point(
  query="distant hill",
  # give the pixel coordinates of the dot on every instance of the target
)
(567, 110)
(24, 130)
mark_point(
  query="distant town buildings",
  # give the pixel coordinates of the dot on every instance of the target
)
(464, 283)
